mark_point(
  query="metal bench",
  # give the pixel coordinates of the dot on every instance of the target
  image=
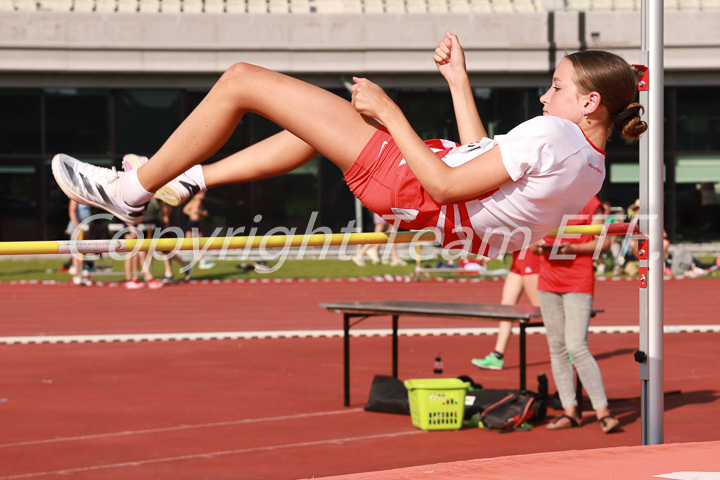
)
(523, 314)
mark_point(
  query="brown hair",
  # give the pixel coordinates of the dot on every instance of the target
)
(615, 81)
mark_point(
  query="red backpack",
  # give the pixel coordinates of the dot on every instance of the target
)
(510, 412)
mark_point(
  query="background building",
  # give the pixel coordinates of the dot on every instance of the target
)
(100, 78)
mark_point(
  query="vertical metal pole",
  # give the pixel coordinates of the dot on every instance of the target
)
(346, 359)
(523, 356)
(395, 345)
(643, 225)
(656, 397)
(358, 216)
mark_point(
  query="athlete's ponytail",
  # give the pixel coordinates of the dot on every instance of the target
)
(628, 122)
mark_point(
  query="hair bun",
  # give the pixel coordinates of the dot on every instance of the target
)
(629, 124)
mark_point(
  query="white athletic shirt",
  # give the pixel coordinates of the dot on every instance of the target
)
(555, 171)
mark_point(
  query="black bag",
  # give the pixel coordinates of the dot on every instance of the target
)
(388, 395)
(511, 411)
(477, 401)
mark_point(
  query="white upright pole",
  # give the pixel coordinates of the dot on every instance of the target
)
(643, 298)
(653, 420)
(656, 394)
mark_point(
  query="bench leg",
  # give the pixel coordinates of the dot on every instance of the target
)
(395, 346)
(346, 359)
(523, 357)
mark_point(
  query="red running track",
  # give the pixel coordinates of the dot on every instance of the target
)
(272, 408)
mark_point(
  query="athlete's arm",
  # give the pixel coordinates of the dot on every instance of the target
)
(450, 61)
(443, 183)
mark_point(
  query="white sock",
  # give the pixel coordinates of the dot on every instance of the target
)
(196, 175)
(134, 193)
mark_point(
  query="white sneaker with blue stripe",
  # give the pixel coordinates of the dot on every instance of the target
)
(95, 186)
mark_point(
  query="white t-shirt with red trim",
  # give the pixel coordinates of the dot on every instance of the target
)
(555, 171)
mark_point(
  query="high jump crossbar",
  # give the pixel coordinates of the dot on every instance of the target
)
(51, 247)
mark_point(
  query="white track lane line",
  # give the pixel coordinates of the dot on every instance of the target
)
(138, 463)
(178, 428)
(379, 332)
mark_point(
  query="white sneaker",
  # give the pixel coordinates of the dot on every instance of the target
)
(134, 284)
(358, 261)
(206, 265)
(154, 284)
(95, 186)
(175, 192)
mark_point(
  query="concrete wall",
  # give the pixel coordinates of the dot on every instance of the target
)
(38, 46)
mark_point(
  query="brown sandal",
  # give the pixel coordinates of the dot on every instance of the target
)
(571, 423)
(608, 423)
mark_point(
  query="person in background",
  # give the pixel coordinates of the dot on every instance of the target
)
(372, 251)
(165, 224)
(523, 277)
(137, 263)
(77, 213)
(566, 288)
(195, 211)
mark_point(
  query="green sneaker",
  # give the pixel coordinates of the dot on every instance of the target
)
(490, 362)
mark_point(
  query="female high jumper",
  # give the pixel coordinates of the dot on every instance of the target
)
(485, 196)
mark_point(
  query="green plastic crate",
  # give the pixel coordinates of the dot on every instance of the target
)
(437, 403)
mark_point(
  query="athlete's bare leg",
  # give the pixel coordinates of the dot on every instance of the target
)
(286, 151)
(322, 120)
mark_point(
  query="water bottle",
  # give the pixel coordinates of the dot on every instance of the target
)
(438, 366)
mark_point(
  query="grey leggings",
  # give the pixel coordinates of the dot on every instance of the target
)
(567, 317)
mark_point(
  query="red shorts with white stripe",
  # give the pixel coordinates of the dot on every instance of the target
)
(384, 183)
(528, 265)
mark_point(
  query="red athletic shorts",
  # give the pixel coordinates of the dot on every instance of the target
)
(385, 185)
(529, 265)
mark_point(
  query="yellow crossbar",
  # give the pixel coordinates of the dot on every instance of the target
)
(268, 241)
(209, 243)
(601, 229)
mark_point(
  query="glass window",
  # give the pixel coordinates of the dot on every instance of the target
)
(430, 114)
(77, 121)
(337, 203)
(535, 107)
(19, 212)
(144, 119)
(697, 211)
(507, 108)
(698, 119)
(20, 122)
